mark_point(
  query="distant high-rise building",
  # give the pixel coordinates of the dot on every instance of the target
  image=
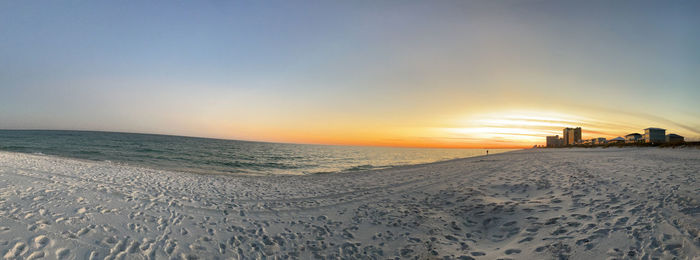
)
(553, 141)
(572, 136)
(654, 135)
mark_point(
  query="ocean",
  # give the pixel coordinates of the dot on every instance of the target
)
(217, 156)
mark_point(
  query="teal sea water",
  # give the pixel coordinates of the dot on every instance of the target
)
(216, 156)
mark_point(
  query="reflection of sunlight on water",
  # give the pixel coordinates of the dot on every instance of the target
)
(522, 127)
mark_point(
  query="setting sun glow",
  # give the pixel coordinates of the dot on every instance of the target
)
(470, 74)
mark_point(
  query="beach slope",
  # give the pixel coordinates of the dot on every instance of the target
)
(530, 204)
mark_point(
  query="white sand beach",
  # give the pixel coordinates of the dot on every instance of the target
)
(626, 203)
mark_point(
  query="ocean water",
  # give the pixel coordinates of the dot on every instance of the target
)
(216, 156)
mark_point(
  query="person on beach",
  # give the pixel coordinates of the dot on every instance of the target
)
(487, 152)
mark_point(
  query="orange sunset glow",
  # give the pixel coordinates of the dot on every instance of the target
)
(469, 75)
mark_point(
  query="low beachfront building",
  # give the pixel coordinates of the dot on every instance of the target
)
(634, 138)
(674, 138)
(654, 135)
(599, 140)
(616, 140)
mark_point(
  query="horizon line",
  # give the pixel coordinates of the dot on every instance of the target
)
(271, 142)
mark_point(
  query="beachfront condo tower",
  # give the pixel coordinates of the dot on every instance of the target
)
(572, 136)
(654, 135)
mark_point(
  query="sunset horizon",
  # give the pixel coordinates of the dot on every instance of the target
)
(411, 74)
(509, 130)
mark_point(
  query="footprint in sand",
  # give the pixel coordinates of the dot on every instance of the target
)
(169, 247)
(41, 241)
(36, 255)
(119, 247)
(93, 255)
(133, 247)
(513, 251)
(581, 216)
(573, 224)
(16, 251)
(82, 231)
(621, 221)
(508, 224)
(614, 252)
(527, 239)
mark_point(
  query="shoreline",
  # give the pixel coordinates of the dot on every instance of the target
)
(213, 156)
(535, 203)
(204, 173)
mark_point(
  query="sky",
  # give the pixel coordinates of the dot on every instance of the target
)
(479, 74)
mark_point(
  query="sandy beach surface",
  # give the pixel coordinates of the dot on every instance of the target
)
(617, 203)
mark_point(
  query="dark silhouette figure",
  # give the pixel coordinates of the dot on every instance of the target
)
(487, 152)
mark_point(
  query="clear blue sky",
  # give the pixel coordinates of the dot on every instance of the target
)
(327, 71)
